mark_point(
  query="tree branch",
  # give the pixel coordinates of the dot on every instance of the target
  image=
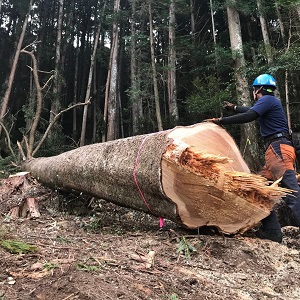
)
(54, 121)
(8, 140)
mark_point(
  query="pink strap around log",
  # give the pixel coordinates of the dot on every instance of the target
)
(161, 220)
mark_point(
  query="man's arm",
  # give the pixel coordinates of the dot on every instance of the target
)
(241, 109)
(237, 109)
(246, 117)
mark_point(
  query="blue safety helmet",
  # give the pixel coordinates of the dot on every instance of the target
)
(265, 81)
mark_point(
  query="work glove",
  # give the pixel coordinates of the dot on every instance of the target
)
(228, 106)
(213, 120)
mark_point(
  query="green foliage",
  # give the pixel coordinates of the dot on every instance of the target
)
(286, 3)
(7, 167)
(206, 98)
(88, 268)
(17, 247)
(185, 248)
(174, 297)
(289, 60)
(93, 225)
(61, 239)
(50, 266)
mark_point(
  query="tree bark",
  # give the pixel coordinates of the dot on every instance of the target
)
(154, 73)
(112, 96)
(56, 103)
(172, 87)
(192, 175)
(249, 143)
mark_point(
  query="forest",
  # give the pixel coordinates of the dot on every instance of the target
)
(114, 81)
(77, 72)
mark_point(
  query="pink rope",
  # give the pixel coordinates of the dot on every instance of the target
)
(161, 220)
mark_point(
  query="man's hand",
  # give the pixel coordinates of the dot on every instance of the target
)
(228, 106)
(214, 120)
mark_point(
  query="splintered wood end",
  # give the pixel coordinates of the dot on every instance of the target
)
(212, 185)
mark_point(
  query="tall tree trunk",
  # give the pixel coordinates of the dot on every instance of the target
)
(56, 102)
(281, 26)
(89, 86)
(213, 22)
(74, 123)
(265, 34)
(0, 5)
(5, 100)
(154, 74)
(250, 34)
(193, 23)
(215, 50)
(172, 87)
(137, 108)
(192, 175)
(94, 104)
(112, 97)
(249, 144)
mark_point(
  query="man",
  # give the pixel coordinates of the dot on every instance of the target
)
(280, 154)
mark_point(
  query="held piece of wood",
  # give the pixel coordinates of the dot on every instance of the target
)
(193, 175)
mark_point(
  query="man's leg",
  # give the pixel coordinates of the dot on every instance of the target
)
(289, 181)
(270, 229)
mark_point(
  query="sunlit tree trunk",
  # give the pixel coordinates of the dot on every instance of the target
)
(5, 100)
(112, 93)
(154, 73)
(172, 87)
(265, 34)
(249, 145)
(0, 5)
(55, 105)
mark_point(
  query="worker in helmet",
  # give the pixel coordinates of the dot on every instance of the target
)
(280, 154)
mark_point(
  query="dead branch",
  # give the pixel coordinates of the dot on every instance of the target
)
(8, 140)
(54, 121)
(39, 104)
(21, 151)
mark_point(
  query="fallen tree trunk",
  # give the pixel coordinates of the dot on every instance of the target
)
(194, 176)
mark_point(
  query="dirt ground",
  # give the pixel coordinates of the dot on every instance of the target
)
(116, 253)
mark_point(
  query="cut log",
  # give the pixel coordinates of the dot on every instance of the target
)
(193, 175)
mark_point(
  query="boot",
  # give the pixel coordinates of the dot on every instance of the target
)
(270, 229)
(272, 235)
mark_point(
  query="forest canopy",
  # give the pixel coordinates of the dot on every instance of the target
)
(76, 72)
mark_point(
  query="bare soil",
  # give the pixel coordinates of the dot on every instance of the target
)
(98, 250)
